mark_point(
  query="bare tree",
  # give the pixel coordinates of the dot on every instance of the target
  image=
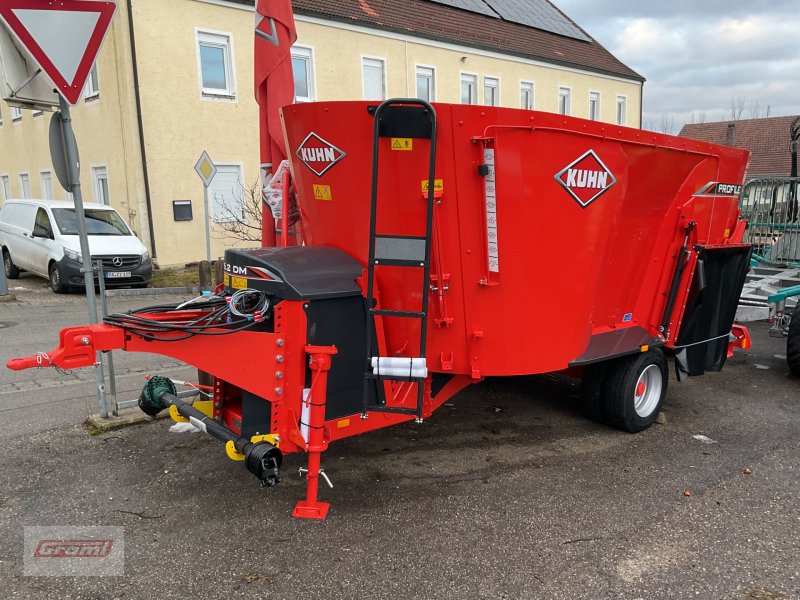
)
(737, 108)
(667, 124)
(756, 112)
(698, 118)
(240, 220)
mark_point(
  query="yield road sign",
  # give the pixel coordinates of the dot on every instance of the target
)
(205, 168)
(63, 37)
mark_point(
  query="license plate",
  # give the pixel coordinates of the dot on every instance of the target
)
(117, 274)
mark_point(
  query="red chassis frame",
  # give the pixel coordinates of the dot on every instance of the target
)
(272, 367)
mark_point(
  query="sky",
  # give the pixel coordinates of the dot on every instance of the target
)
(701, 56)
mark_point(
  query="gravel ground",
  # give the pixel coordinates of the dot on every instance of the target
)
(507, 492)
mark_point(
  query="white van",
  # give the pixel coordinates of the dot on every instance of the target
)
(41, 236)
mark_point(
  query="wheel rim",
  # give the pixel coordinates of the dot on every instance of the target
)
(647, 391)
(55, 277)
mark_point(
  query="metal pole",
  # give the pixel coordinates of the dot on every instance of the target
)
(112, 377)
(71, 155)
(208, 226)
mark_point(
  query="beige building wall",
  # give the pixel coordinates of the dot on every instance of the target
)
(338, 50)
(104, 126)
(179, 121)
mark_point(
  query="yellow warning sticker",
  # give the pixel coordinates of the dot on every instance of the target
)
(438, 185)
(727, 233)
(322, 192)
(238, 283)
(402, 144)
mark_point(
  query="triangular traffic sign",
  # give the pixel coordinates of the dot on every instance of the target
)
(63, 36)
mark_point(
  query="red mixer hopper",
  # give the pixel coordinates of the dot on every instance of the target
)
(437, 245)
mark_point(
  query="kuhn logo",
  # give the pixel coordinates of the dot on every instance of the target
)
(318, 155)
(73, 548)
(586, 179)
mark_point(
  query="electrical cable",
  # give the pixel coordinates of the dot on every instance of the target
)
(219, 316)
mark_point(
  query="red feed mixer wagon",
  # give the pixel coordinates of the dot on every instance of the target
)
(441, 245)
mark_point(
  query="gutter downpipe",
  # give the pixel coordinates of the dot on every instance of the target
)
(142, 149)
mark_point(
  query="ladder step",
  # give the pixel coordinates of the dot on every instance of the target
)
(398, 410)
(397, 313)
(399, 262)
(393, 377)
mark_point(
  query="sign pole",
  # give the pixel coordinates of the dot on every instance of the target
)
(73, 166)
(208, 225)
(206, 169)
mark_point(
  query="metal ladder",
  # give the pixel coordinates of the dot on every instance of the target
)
(400, 118)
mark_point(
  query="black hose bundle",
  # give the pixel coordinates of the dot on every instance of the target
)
(220, 316)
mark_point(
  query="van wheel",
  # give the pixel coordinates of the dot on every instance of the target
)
(56, 283)
(12, 272)
(635, 389)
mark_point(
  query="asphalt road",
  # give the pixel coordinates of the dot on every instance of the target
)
(507, 492)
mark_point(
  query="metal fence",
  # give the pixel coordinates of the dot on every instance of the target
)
(770, 206)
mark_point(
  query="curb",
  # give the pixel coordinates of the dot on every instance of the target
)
(126, 418)
(153, 291)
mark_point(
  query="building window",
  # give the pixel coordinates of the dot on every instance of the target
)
(563, 100)
(24, 185)
(216, 66)
(491, 91)
(594, 106)
(92, 88)
(100, 183)
(303, 68)
(6, 187)
(16, 114)
(526, 95)
(47, 185)
(374, 72)
(426, 83)
(622, 110)
(469, 89)
(226, 195)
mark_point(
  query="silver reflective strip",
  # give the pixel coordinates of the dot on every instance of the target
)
(400, 248)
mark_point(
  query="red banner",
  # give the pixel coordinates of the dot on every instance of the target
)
(274, 86)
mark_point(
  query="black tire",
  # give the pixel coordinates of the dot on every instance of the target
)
(592, 391)
(634, 390)
(56, 281)
(12, 271)
(793, 342)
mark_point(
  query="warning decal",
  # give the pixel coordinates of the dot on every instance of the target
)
(402, 144)
(322, 192)
(491, 212)
(438, 186)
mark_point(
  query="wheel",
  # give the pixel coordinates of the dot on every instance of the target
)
(12, 271)
(634, 390)
(793, 342)
(56, 284)
(592, 396)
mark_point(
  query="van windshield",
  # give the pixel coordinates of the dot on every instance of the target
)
(98, 222)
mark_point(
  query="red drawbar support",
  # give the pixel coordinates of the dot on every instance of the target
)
(320, 364)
